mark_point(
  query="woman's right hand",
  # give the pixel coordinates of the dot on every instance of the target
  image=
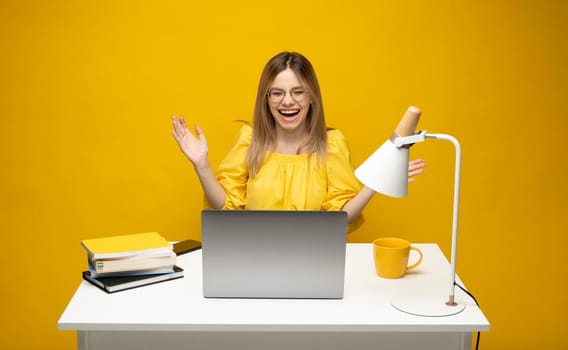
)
(194, 148)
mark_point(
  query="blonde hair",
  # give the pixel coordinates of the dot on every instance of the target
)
(264, 126)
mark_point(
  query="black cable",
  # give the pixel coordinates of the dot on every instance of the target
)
(476, 303)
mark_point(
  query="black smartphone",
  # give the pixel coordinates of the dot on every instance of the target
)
(186, 246)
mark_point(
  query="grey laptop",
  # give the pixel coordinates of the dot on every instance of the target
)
(273, 254)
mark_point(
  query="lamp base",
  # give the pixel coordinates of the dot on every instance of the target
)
(427, 305)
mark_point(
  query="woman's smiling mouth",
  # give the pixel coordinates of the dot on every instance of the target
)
(289, 113)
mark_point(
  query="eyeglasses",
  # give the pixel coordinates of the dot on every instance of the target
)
(277, 95)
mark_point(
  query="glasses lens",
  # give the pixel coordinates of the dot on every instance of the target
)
(277, 95)
(298, 94)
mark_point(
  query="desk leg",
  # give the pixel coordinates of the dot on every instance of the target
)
(178, 340)
(466, 341)
(82, 341)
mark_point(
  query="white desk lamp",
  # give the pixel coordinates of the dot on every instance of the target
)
(386, 172)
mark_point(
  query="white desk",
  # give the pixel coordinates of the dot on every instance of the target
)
(174, 314)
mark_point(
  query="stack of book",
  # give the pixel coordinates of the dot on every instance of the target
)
(128, 261)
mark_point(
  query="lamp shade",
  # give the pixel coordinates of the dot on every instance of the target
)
(386, 170)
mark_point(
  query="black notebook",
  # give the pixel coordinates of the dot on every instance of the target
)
(116, 284)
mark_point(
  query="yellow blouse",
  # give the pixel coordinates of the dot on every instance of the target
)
(288, 182)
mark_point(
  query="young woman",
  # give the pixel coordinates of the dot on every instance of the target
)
(287, 158)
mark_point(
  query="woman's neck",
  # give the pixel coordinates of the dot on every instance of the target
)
(288, 142)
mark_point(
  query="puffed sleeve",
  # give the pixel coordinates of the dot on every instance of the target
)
(342, 185)
(232, 172)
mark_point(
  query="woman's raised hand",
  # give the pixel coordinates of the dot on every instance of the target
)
(194, 148)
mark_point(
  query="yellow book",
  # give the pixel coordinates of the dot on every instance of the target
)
(123, 246)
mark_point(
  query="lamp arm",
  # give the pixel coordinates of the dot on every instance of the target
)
(457, 146)
(407, 141)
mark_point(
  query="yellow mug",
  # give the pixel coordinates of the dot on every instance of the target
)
(391, 257)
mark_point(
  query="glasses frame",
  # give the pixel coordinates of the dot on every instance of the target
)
(285, 92)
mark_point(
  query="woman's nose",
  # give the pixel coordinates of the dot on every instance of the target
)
(288, 100)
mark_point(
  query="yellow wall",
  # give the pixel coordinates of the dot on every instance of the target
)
(87, 89)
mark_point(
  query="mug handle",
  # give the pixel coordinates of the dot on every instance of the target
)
(419, 260)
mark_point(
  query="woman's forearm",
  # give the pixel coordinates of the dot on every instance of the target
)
(212, 189)
(356, 205)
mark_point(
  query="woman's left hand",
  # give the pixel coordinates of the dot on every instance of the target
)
(415, 167)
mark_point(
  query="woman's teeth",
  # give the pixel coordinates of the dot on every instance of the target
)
(289, 113)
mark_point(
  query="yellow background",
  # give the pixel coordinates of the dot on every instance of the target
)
(87, 89)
